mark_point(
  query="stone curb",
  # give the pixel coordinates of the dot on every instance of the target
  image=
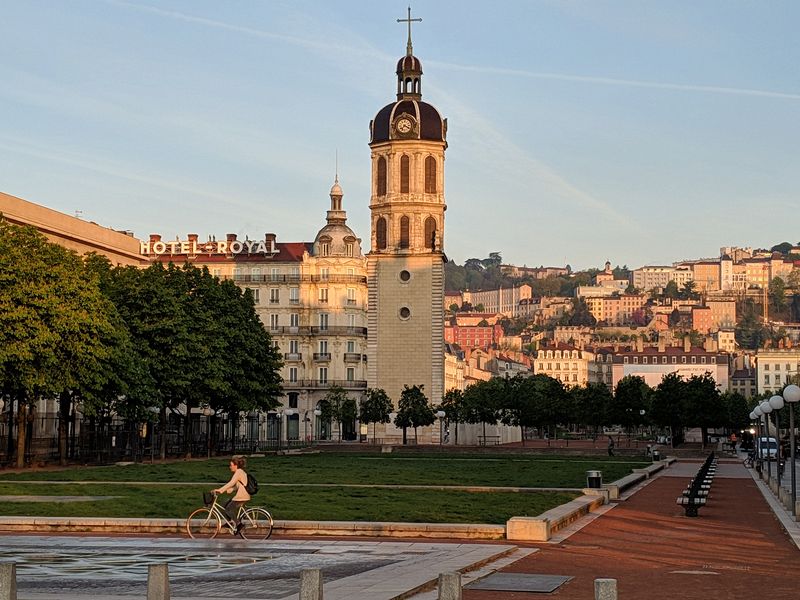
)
(315, 528)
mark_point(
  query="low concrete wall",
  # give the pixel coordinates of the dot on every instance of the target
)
(321, 528)
(542, 528)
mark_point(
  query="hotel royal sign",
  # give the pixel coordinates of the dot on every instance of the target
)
(194, 247)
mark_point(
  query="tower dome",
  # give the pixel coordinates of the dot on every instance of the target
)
(336, 238)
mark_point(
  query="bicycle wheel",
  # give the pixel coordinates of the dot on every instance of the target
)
(203, 524)
(256, 524)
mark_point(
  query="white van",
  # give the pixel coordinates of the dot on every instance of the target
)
(767, 448)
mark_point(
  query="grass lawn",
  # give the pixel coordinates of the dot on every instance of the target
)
(514, 470)
(299, 501)
(303, 503)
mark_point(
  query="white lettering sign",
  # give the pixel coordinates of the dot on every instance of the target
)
(192, 248)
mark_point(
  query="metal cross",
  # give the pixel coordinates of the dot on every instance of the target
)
(409, 21)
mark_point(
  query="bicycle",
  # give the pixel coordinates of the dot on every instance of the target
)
(206, 522)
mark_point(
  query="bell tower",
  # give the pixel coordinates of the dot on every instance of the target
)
(405, 264)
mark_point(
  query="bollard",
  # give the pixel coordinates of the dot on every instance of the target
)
(310, 584)
(450, 586)
(158, 582)
(8, 581)
(605, 589)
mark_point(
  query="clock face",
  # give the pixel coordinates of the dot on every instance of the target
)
(404, 125)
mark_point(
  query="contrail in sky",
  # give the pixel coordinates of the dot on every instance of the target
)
(620, 82)
(316, 44)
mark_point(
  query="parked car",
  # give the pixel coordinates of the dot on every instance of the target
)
(767, 448)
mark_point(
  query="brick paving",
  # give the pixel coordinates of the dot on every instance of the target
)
(735, 548)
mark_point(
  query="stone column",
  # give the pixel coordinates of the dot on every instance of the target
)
(158, 582)
(310, 584)
(450, 586)
(8, 581)
(605, 589)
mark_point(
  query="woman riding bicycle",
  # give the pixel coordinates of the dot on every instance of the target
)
(238, 483)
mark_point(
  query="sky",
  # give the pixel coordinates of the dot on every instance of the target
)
(579, 131)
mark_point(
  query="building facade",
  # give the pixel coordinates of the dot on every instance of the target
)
(312, 299)
(776, 368)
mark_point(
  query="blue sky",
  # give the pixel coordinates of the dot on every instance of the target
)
(635, 131)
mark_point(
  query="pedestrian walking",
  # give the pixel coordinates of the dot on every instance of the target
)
(610, 446)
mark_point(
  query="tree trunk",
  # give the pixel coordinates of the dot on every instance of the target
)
(522, 434)
(22, 430)
(10, 445)
(64, 403)
(703, 436)
(456, 425)
(162, 427)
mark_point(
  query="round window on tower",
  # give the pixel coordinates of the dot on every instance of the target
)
(405, 276)
(405, 313)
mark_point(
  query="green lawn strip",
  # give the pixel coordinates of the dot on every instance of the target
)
(439, 469)
(315, 504)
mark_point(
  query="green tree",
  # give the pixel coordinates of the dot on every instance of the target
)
(375, 408)
(453, 407)
(777, 295)
(631, 402)
(671, 290)
(703, 407)
(593, 404)
(336, 407)
(580, 314)
(783, 248)
(58, 333)
(737, 411)
(482, 403)
(413, 410)
(667, 406)
(688, 292)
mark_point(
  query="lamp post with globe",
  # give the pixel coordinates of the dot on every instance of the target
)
(440, 414)
(776, 402)
(791, 395)
(766, 408)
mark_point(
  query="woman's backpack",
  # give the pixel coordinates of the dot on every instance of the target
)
(252, 485)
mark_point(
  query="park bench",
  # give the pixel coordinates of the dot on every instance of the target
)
(485, 440)
(696, 493)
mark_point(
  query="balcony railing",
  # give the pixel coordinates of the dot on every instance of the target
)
(306, 330)
(351, 302)
(352, 357)
(356, 384)
(296, 278)
(322, 356)
(293, 356)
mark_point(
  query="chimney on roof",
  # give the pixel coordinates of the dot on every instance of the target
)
(154, 237)
(270, 237)
(687, 344)
(639, 344)
(662, 344)
(231, 237)
(192, 237)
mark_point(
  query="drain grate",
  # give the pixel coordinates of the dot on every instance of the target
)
(520, 582)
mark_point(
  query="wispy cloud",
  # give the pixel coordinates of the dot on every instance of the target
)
(681, 87)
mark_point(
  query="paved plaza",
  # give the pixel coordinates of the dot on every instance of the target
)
(104, 568)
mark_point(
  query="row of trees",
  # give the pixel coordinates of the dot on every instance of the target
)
(543, 402)
(123, 340)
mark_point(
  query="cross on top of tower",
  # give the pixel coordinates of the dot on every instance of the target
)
(409, 20)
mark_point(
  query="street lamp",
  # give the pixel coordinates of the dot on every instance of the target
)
(441, 414)
(776, 402)
(208, 412)
(280, 423)
(766, 408)
(791, 394)
(288, 412)
(317, 415)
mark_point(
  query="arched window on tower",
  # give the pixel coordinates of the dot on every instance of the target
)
(430, 175)
(381, 191)
(380, 233)
(409, 86)
(405, 168)
(405, 226)
(430, 233)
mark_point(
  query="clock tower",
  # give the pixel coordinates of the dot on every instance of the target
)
(405, 264)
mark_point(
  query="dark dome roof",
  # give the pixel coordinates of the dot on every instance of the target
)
(409, 63)
(431, 124)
